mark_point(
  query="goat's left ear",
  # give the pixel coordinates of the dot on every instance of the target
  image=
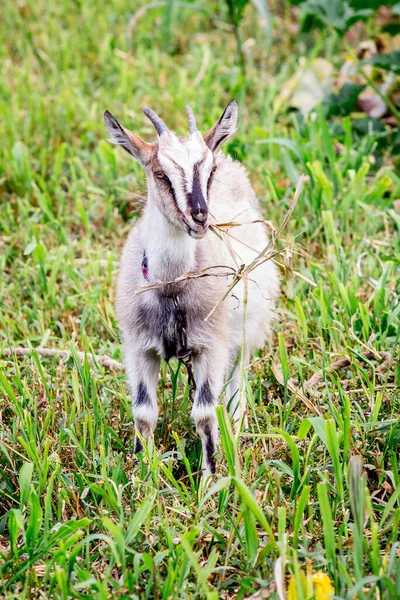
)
(225, 127)
(130, 142)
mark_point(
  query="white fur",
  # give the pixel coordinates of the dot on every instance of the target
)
(165, 242)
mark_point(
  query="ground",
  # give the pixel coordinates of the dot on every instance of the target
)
(314, 481)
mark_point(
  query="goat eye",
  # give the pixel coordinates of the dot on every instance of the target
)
(159, 174)
(213, 170)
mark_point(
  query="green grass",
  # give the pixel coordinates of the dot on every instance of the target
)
(79, 517)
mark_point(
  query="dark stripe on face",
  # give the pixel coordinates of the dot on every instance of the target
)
(167, 183)
(195, 198)
(210, 179)
(178, 166)
(182, 181)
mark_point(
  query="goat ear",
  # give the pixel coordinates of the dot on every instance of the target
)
(225, 127)
(131, 143)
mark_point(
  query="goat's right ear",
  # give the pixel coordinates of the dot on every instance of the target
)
(131, 143)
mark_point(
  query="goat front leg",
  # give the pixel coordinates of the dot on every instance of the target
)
(142, 368)
(209, 372)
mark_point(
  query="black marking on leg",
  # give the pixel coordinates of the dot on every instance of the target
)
(142, 397)
(205, 397)
(210, 446)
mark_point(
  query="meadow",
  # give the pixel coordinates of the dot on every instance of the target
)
(313, 485)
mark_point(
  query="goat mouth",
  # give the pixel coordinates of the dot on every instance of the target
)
(198, 231)
(198, 234)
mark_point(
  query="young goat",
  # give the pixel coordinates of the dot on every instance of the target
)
(191, 185)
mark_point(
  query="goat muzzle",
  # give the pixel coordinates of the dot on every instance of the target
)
(199, 217)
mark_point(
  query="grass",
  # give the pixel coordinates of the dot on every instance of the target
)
(78, 516)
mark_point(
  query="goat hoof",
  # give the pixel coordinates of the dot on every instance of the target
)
(145, 431)
(138, 447)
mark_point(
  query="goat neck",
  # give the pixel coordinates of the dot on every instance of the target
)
(170, 251)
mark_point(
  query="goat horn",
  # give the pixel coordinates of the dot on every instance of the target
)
(191, 119)
(159, 125)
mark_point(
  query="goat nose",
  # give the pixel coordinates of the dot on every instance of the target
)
(200, 217)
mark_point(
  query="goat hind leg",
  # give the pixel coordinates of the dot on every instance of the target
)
(209, 376)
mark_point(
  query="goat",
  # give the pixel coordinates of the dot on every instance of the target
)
(190, 186)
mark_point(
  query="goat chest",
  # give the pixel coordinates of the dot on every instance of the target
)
(172, 325)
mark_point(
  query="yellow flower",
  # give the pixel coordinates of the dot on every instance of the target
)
(316, 586)
(323, 586)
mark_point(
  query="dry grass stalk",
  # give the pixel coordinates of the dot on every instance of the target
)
(345, 361)
(105, 361)
(295, 390)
